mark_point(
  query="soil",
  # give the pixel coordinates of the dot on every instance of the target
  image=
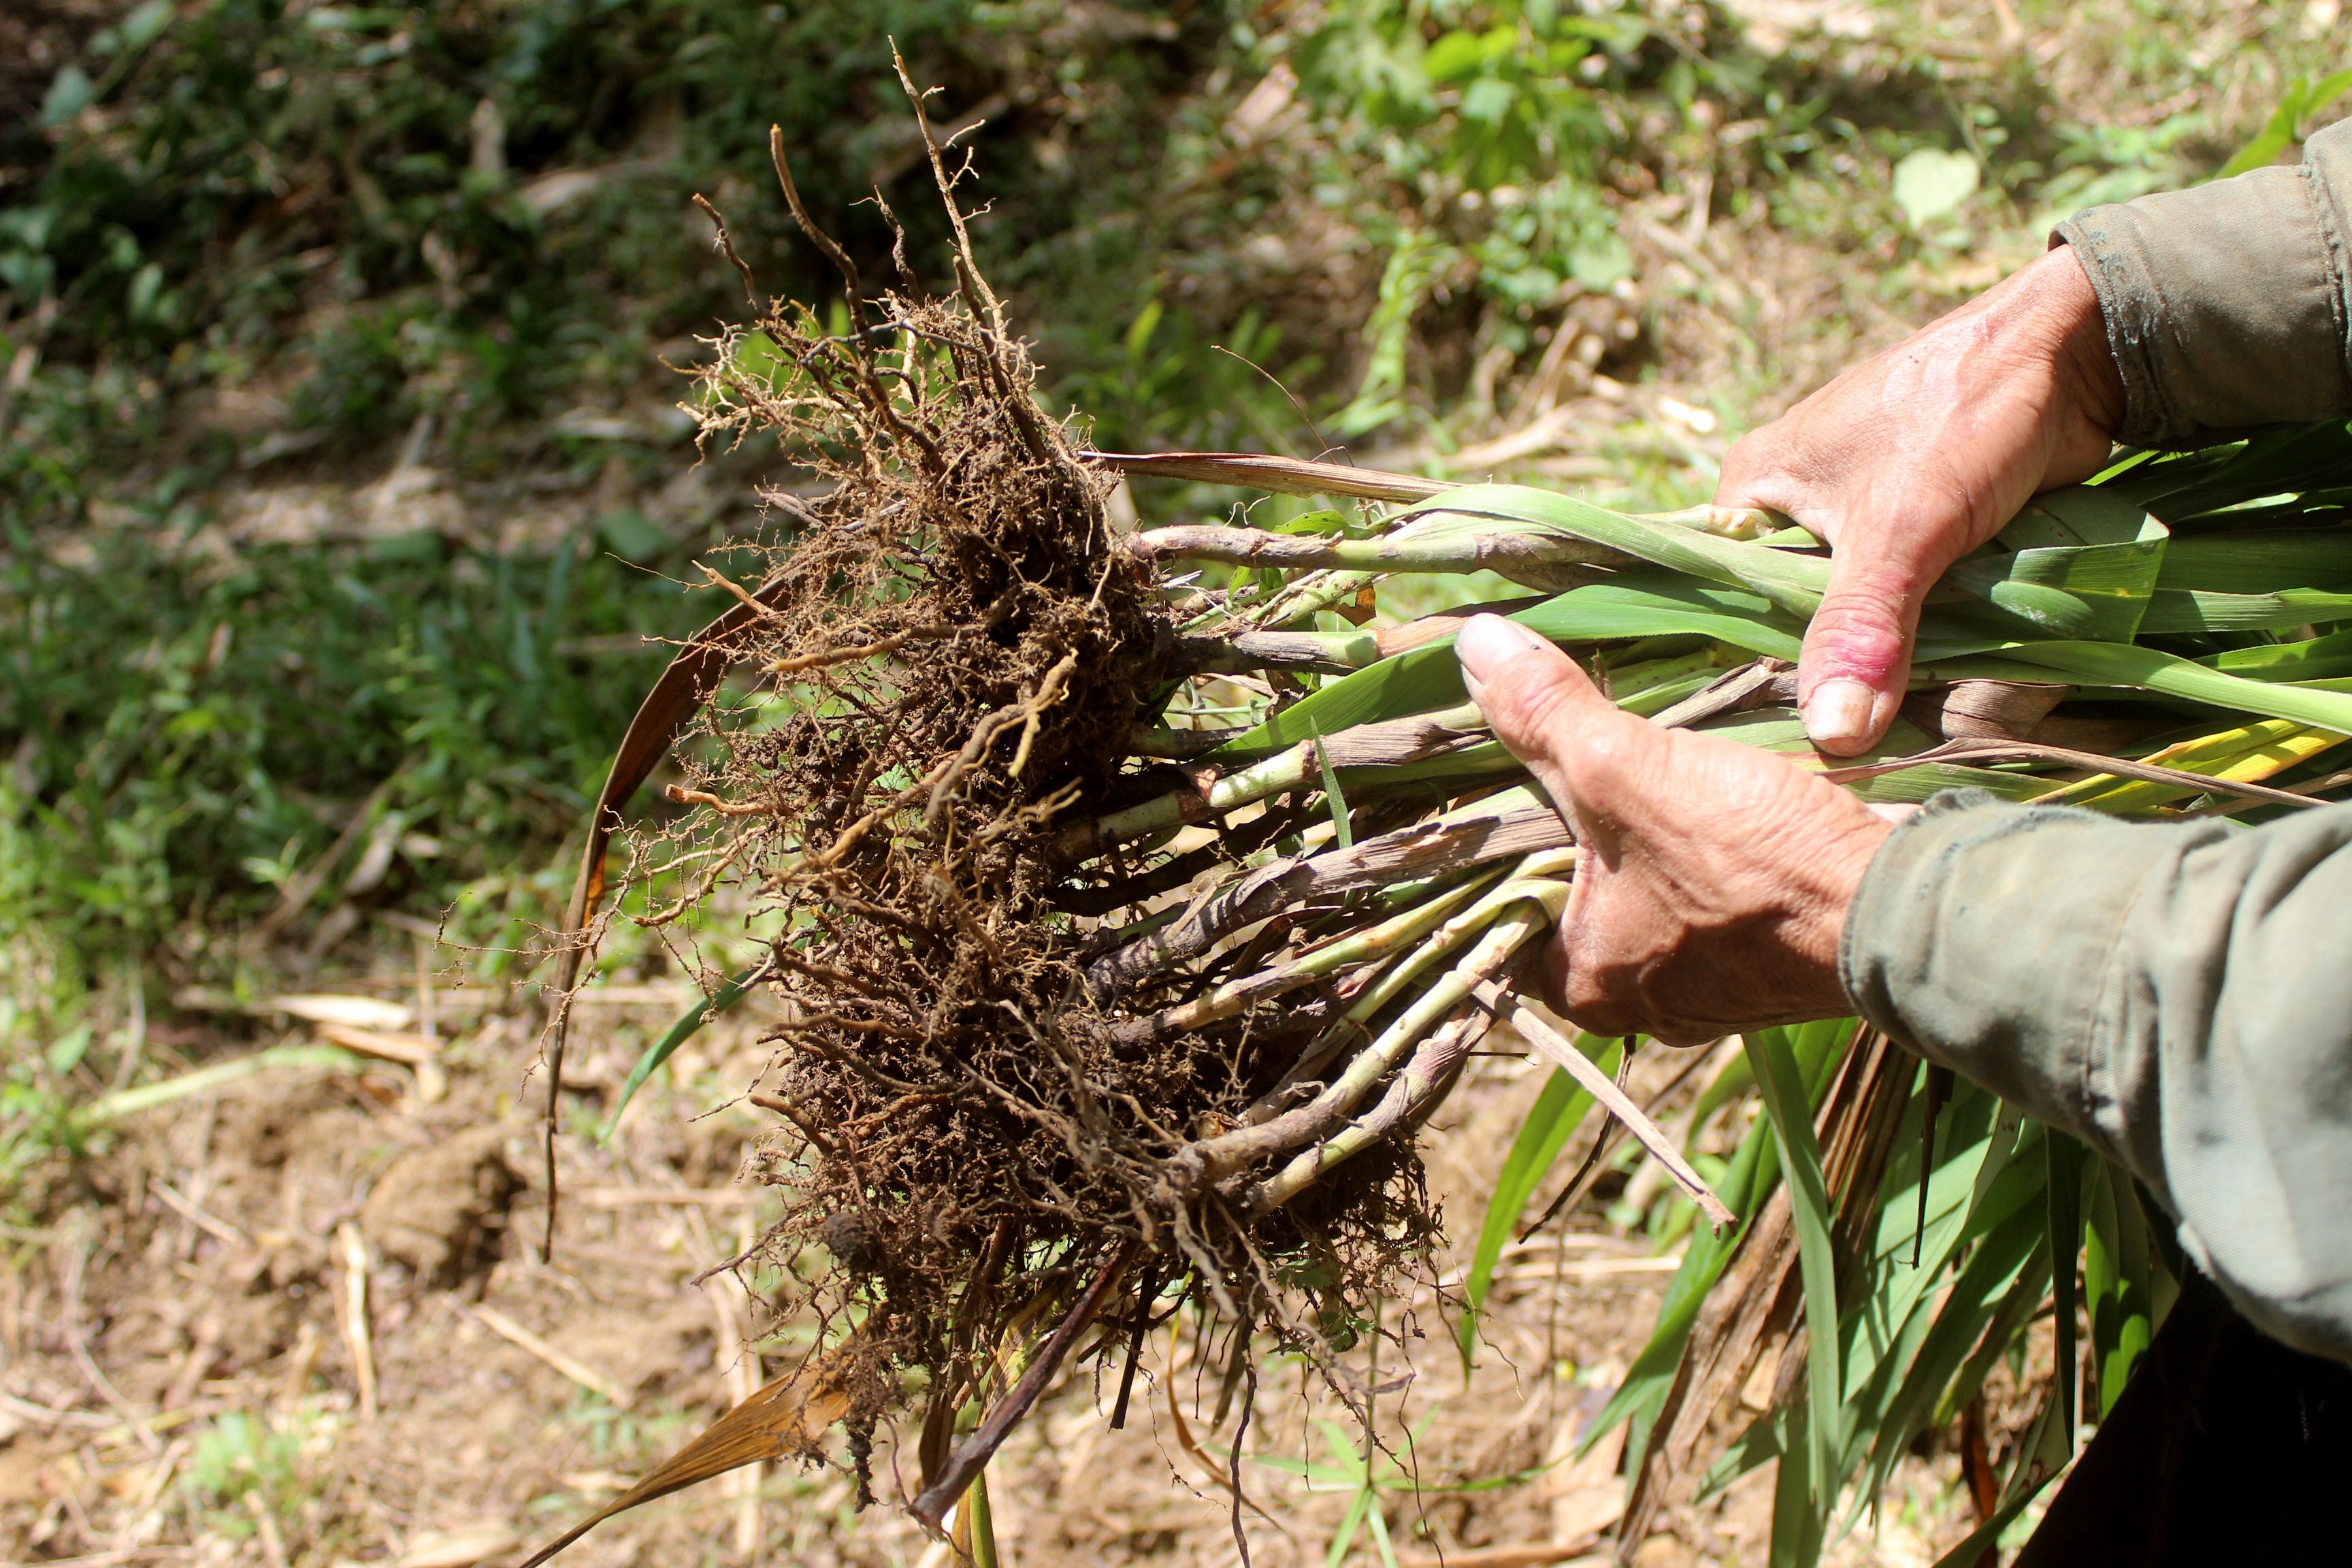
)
(218, 1415)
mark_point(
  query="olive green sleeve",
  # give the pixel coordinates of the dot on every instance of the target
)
(2228, 305)
(2178, 995)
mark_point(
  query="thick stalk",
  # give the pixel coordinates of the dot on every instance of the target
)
(1422, 1079)
(1369, 745)
(1365, 946)
(1228, 1153)
(1315, 591)
(1310, 653)
(1353, 1025)
(1498, 548)
(1326, 590)
(1425, 1076)
(1646, 687)
(1495, 829)
(1793, 583)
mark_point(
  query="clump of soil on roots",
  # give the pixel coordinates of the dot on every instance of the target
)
(951, 646)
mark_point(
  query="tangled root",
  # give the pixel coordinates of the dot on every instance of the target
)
(951, 649)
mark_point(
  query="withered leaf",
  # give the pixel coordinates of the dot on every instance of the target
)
(782, 1420)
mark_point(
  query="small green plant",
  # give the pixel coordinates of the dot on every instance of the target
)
(240, 1455)
(1357, 1466)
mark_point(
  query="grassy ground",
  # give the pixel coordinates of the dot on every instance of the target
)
(340, 483)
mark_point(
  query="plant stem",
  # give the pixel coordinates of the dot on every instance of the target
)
(1497, 548)
(1312, 653)
(1390, 985)
(1396, 741)
(1349, 952)
(1530, 913)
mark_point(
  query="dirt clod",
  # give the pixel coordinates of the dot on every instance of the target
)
(443, 1210)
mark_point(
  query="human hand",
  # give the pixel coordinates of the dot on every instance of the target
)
(1909, 461)
(1714, 878)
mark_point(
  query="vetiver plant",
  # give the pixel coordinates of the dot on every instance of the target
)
(1133, 898)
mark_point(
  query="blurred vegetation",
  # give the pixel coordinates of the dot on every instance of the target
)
(256, 251)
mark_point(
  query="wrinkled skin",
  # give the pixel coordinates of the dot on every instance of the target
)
(1909, 461)
(1714, 878)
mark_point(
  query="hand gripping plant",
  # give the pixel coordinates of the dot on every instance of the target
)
(1127, 928)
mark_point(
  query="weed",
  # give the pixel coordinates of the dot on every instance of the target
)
(244, 1466)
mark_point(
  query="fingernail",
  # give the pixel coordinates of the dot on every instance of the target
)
(1484, 643)
(1838, 712)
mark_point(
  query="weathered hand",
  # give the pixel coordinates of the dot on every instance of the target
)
(1714, 881)
(1910, 460)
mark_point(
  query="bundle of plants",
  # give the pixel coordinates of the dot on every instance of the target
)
(1132, 898)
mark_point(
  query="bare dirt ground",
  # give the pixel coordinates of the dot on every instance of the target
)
(296, 1319)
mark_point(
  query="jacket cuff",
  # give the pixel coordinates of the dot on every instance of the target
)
(2226, 305)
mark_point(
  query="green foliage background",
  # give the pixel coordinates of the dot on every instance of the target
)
(456, 232)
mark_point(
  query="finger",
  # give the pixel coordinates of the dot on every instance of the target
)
(1857, 655)
(1535, 698)
(1522, 682)
(1750, 475)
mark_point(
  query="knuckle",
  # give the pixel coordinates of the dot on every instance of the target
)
(1597, 993)
(1858, 633)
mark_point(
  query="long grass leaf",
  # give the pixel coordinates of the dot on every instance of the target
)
(1345, 1536)
(1746, 1184)
(2115, 1280)
(2174, 610)
(1788, 1109)
(1754, 1166)
(688, 1025)
(1969, 1308)
(1637, 604)
(2258, 563)
(1343, 836)
(2320, 658)
(1971, 1551)
(2116, 664)
(2081, 515)
(2097, 591)
(2271, 748)
(2064, 1189)
(1559, 1109)
(147, 1095)
(1797, 1516)
(2183, 489)
(1793, 583)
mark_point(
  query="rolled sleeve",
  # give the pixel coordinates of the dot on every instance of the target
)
(2228, 306)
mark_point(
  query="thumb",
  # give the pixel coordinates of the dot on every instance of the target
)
(1536, 699)
(1857, 655)
(1522, 682)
